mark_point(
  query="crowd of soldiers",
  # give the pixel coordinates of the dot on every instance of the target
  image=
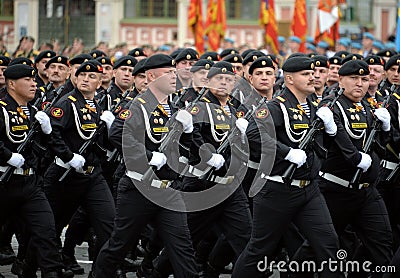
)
(200, 162)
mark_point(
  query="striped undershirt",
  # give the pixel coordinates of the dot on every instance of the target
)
(167, 109)
(227, 110)
(26, 111)
(91, 103)
(306, 108)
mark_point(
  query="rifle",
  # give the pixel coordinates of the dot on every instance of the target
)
(376, 126)
(316, 125)
(96, 135)
(149, 174)
(5, 177)
(103, 97)
(39, 100)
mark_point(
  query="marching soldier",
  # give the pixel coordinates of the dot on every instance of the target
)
(4, 61)
(392, 73)
(332, 82)
(107, 75)
(320, 75)
(75, 63)
(373, 97)
(139, 78)
(184, 62)
(40, 65)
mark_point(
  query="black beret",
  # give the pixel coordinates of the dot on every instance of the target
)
(393, 61)
(262, 62)
(311, 55)
(321, 61)
(374, 60)
(252, 56)
(386, 53)
(21, 60)
(4, 61)
(176, 52)
(211, 55)
(247, 51)
(80, 59)
(335, 60)
(136, 52)
(342, 53)
(354, 67)
(45, 54)
(159, 61)
(139, 67)
(297, 54)
(233, 58)
(105, 61)
(298, 63)
(273, 57)
(95, 53)
(128, 61)
(227, 51)
(202, 64)
(220, 67)
(352, 56)
(19, 71)
(187, 54)
(58, 59)
(89, 66)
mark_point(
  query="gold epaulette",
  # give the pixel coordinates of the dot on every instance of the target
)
(3, 103)
(129, 98)
(42, 89)
(141, 100)
(379, 93)
(72, 98)
(205, 99)
(396, 96)
(281, 99)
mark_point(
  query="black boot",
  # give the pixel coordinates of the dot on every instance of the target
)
(7, 255)
(120, 274)
(71, 264)
(22, 270)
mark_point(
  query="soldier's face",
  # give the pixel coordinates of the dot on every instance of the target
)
(376, 75)
(392, 75)
(24, 88)
(88, 82)
(320, 75)
(41, 66)
(301, 81)
(162, 79)
(2, 79)
(333, 75)
(57, 73)
(239, 70)
(221, 85)
(183, 69)
(140, 82)
(200, 78)
(107, 74)
(123, 77)
(263, 79)
(73, 70)
(355, 86)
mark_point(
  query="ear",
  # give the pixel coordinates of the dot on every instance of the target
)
(340, 81)
(251, 79)
(289, 79)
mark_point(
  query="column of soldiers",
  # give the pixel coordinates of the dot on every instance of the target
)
(199, 162)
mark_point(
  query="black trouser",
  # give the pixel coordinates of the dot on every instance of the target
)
(76, 232)
(133, 212)
(365, 210)
(276, 206)
(22, 196)
(91, 192)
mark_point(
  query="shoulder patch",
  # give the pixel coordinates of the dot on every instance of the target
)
(240, 114)
(3, 103)
(72, 98)
(118, 109)
(206, 99)
(262, 113)
(141, 100)
(56, 112)
(281, 99)
(44, 104)
(396, 95)
(125, 114)
(195, 110)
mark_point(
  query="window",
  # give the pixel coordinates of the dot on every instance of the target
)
(151, 8)
(6, 8)
(238, 9)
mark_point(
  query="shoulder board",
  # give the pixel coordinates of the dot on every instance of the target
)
(3, 103)
(129, 98)
(206, 99)
(42, 89)
(281, 99)
(72, 98)
(396, 95)
(379, 93)
(141, 100)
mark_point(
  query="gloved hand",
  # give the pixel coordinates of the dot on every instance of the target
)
(297, 156)
(326, 115)
(44, 122)
(216, 161)
(242, 125)
(16, 160)
(365, 162)
(77, 161)
(107, 117)
(383, 115)
(186, 119)
(158, 160)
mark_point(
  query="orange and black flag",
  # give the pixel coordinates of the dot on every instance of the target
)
(196, 24)
(327, 22)
(299, 22)
(215, 23)
(268, 21)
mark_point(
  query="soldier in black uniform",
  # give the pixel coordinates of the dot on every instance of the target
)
(138, 53)
(139, 79)
(145, 125)
(392, 73)
(278, 204)
(107, 75)
(4, 61)
(21, 194)
(40, 65)
(373, 97)
(184, 62)
(211, 55)
(335, 62)
(320, 75)
(75, 63)
(360, 204)
(75, 119)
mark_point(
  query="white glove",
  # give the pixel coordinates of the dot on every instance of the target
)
(297, 156)
(217, 161)
(383, 115)
(107, 117)
(158, 160)
(326, 115)
(186, 119)
(44, 122)
(365, 162)
(77, 161)
(16, 160)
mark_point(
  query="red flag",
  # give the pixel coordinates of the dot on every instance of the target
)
(299, 22)
(196, 24)
(327, 22)
(215, 23)
(268, 21)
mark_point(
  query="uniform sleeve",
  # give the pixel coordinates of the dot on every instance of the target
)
(281, 149)
(5, 153)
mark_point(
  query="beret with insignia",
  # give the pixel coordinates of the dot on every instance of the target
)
(374, 60)
(4, 61)
(342, 53)
(95, 53)
(352, 56)
(311, 55)
(45, 54)
(18, 71)
(211, 55)
(202, 64)
(386, 53)
(335, 60)
(21, 60)
(136, 52)
(321, 61)
(228, 51)
(247, 51)
(297, 54)
(274, 58)
(58, 59)
(187, 54)
(80, 58)
(127, 61)
(252, 56)
(105, 61)
(354, 67)
(233, 58)
(89, 66)
(299, 63)
(262, 62)
(159, 61)
(139, 67)
(176, 52)
(221, 67)
(393, 61)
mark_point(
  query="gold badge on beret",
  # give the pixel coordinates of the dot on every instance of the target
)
(86, 60)
(48, 54)
(94, 55)
(398, 61)
(232, 51)
(24, 63)
(371, 60)
(59, 59)
(137, 53)
(223, 70)
(87, 67)
(361, 71)
(188, 57)
(343, 55)
(387, 53)
(33, 72)
(254, 57)
(235, 59)
(263, 63)
(207, 66)
(173, 62)
(129, 62)
(312, 66)
(209, 58)
(335, 61)
(1, 62)
(103, 61)
(317, 63)
(354, 58)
